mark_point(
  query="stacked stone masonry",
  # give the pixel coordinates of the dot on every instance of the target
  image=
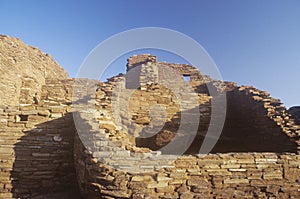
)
(120, 166)
(24, 70)
(43, 150)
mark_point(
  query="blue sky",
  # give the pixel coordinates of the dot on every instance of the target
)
(252, 42)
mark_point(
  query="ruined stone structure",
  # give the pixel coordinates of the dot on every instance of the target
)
(24, 70)
(122, 138)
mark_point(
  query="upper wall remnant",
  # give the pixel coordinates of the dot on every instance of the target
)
(138, 60)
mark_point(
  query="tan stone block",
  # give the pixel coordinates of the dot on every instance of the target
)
(292, 174)
(162, 177)
(238, 170)
(262, 166)
(186, 195)
(27, 107)
(6, 150)
(45, 113)
(178, 175)
(29, 112)
(56, 115)
(182, 189)
(13, 124)
(257, 182)
(273, 189)
(218, 172)
(211, 166)
(107, 125)
(168, 189)
(137, 185)
(152, 185)
(275, 174)
(177, 181)
(236, 181)
(37, 118)
(230, 166)
(248, 166)
(246, 161)
(197, 181)
(141, 178)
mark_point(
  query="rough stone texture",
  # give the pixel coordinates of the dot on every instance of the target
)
(37, 146)
(42, 153)
(257, 127)
(23, 70)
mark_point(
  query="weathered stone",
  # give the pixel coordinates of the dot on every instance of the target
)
(197, 181)
(186, 196)
(168, 189)
(45, 113)
(141, 178)
(292, 174)
(236, 181)
(157, 185)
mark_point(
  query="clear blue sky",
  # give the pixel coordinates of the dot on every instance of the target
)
(252, 42)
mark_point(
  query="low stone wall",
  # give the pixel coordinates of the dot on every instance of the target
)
(230, 175)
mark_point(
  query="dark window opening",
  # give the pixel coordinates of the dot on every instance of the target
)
(23, 118)
(187, 78)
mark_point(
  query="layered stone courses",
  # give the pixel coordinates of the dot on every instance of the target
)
(24, 70)
(142, 173)
(107, 157)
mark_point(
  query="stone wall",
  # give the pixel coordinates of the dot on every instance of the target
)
(93, 133)
(23, 71)
(258, 123)
(36, 151)
(112, 163)
(228, 175)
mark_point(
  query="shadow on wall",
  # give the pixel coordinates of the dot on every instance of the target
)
(44, 161)
(247, 128)
(295, 114)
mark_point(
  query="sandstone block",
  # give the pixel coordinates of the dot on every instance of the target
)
(141, 178)
(236, 181)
